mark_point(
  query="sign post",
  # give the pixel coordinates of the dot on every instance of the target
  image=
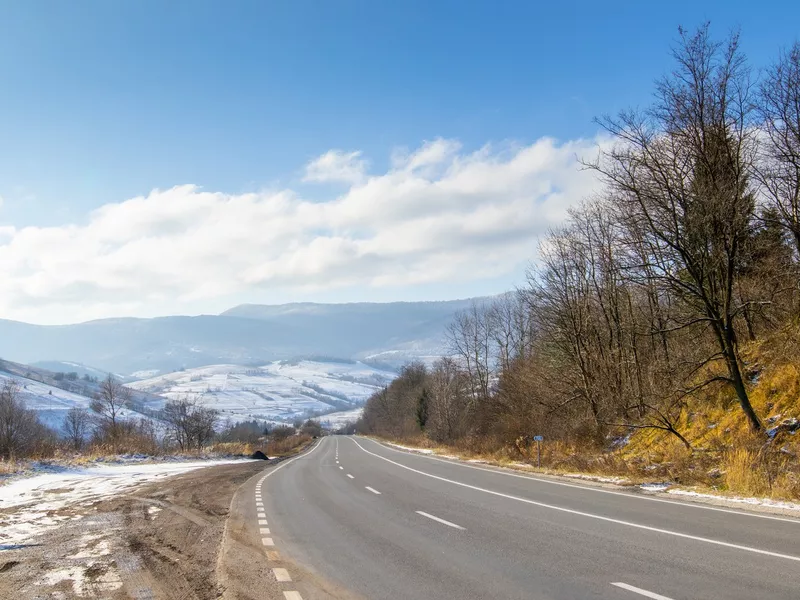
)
(538, 439)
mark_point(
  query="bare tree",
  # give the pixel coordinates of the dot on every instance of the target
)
(449, 399)
(20, 429)
(779, 112)
(189, 424)
(76, 426)
(470, 340)
(203, 426)
(681, 172)
(510, 327)
(108, 406)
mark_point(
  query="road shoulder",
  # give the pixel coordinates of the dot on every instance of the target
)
(684, 497)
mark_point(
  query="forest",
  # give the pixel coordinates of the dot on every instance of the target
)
(656, 334)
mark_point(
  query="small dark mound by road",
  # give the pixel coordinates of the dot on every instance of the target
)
(259, 455)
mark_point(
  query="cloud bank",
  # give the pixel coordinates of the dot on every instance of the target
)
(436, 215)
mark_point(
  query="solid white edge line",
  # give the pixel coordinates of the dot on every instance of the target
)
(281, 575)
(640, 591)
(442, 521)
(589, 488)
(373, 490)
(291, 460)
(589, 515)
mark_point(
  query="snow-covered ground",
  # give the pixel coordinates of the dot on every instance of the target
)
(411, 448)
(338, 419)
(31, 505)
(278, 391)
(768, 502)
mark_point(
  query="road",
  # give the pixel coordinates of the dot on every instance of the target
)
(354, 518)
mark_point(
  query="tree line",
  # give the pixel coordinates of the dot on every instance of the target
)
(646, 295)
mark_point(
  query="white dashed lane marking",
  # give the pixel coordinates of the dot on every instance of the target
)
(685, 536)
(264, 531)
(373, 490)
(292, 595)
(281, 575)
(262, 522)
(350, 476)
(442, 521)
(640, 591)
(267, 541)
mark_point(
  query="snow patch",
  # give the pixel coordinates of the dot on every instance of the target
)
(410, 449)
(655, 487)
(614, 480)
(740, 500)
(38, 499)
(86, 580)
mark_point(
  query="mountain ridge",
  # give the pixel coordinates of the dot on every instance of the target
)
(245, 334)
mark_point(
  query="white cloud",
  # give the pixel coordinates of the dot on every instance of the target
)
(437, 215)
(336, 165)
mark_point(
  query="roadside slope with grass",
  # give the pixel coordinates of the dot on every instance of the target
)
(726, 457)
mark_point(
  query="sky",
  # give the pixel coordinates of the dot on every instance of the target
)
(183, 157)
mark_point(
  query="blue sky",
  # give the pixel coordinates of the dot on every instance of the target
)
(103, 101)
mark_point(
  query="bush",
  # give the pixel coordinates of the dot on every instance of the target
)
(281, 432)
(286, 445)
(311, 428)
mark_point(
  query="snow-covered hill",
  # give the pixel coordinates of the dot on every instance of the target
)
(278, 391)
(51, 403)
(339, 419)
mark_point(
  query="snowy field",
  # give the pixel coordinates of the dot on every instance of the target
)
(279, 391)
(52, 403)
(338, 419)
(31, 505)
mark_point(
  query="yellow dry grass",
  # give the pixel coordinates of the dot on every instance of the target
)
(726, 457)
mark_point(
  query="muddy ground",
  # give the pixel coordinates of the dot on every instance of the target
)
(160, 541)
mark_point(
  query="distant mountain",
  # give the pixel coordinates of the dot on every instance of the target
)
(385, 333)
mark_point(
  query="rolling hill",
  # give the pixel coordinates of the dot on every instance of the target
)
(280, 391)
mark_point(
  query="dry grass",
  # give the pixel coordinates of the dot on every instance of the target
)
(8, 467)
(234, 448)
(726, 457)
(288, 445)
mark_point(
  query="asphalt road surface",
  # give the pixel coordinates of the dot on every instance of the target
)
(359, 519)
